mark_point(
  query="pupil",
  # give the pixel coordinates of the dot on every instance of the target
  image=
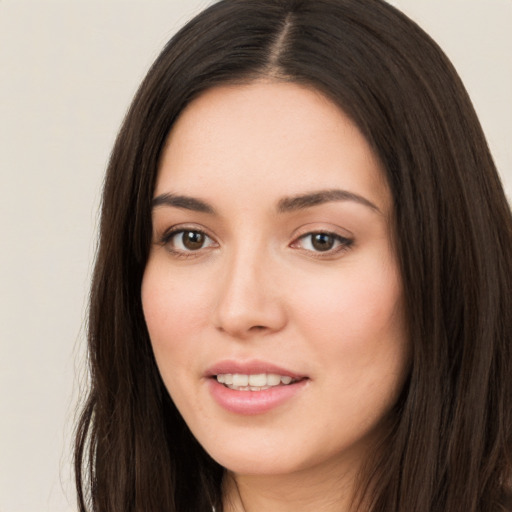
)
(193, 240)
(323, 241)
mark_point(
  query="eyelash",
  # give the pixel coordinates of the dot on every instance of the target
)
(167, 237)
(342, 244)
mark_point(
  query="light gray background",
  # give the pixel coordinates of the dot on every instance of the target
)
(68, 71)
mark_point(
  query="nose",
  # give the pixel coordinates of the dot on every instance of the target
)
(250, 302)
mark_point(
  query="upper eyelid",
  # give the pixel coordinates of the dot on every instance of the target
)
(172, 232)
(179, 228)
(322, 227)
(320, 232)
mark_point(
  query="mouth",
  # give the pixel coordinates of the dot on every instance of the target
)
(254, 381)
(253, 387)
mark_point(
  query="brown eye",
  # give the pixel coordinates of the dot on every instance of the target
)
(187, 240)
(322, 241)
(193, 240)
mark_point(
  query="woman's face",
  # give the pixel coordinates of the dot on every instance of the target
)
(272, 271)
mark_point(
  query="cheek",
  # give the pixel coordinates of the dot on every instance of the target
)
(357, 324)
(359, 338)
(352, 302)
(172, 307)
(175, 312)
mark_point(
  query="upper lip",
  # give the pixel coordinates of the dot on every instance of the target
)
(252, 367)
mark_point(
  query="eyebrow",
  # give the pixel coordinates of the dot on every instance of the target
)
(185, 202)
(302, 201)
(285, 205)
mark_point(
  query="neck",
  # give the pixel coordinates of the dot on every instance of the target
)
(321, 490)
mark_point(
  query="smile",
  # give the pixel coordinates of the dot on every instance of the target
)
(253, 382)
(253, 387)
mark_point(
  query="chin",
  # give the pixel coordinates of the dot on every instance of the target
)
(264, 454)
(254, 455)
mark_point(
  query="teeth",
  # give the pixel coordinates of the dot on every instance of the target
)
(240, 380)
(255, 382)
(258, 380)
(273, 379)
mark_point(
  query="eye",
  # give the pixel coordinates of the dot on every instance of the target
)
(323, 242)
(187, 240)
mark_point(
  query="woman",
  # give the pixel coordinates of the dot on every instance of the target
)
(301, 299)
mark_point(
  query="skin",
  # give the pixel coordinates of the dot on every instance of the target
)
(258, 288)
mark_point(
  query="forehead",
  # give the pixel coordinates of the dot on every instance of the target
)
(287, 136)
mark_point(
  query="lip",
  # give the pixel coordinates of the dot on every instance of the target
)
(252, 402)
(250, 368)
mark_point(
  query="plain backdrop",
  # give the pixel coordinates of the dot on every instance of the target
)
(68, 70)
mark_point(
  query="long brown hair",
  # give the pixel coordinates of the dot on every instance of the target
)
(449, 444)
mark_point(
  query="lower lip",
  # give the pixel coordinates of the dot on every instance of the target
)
(253, 402)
